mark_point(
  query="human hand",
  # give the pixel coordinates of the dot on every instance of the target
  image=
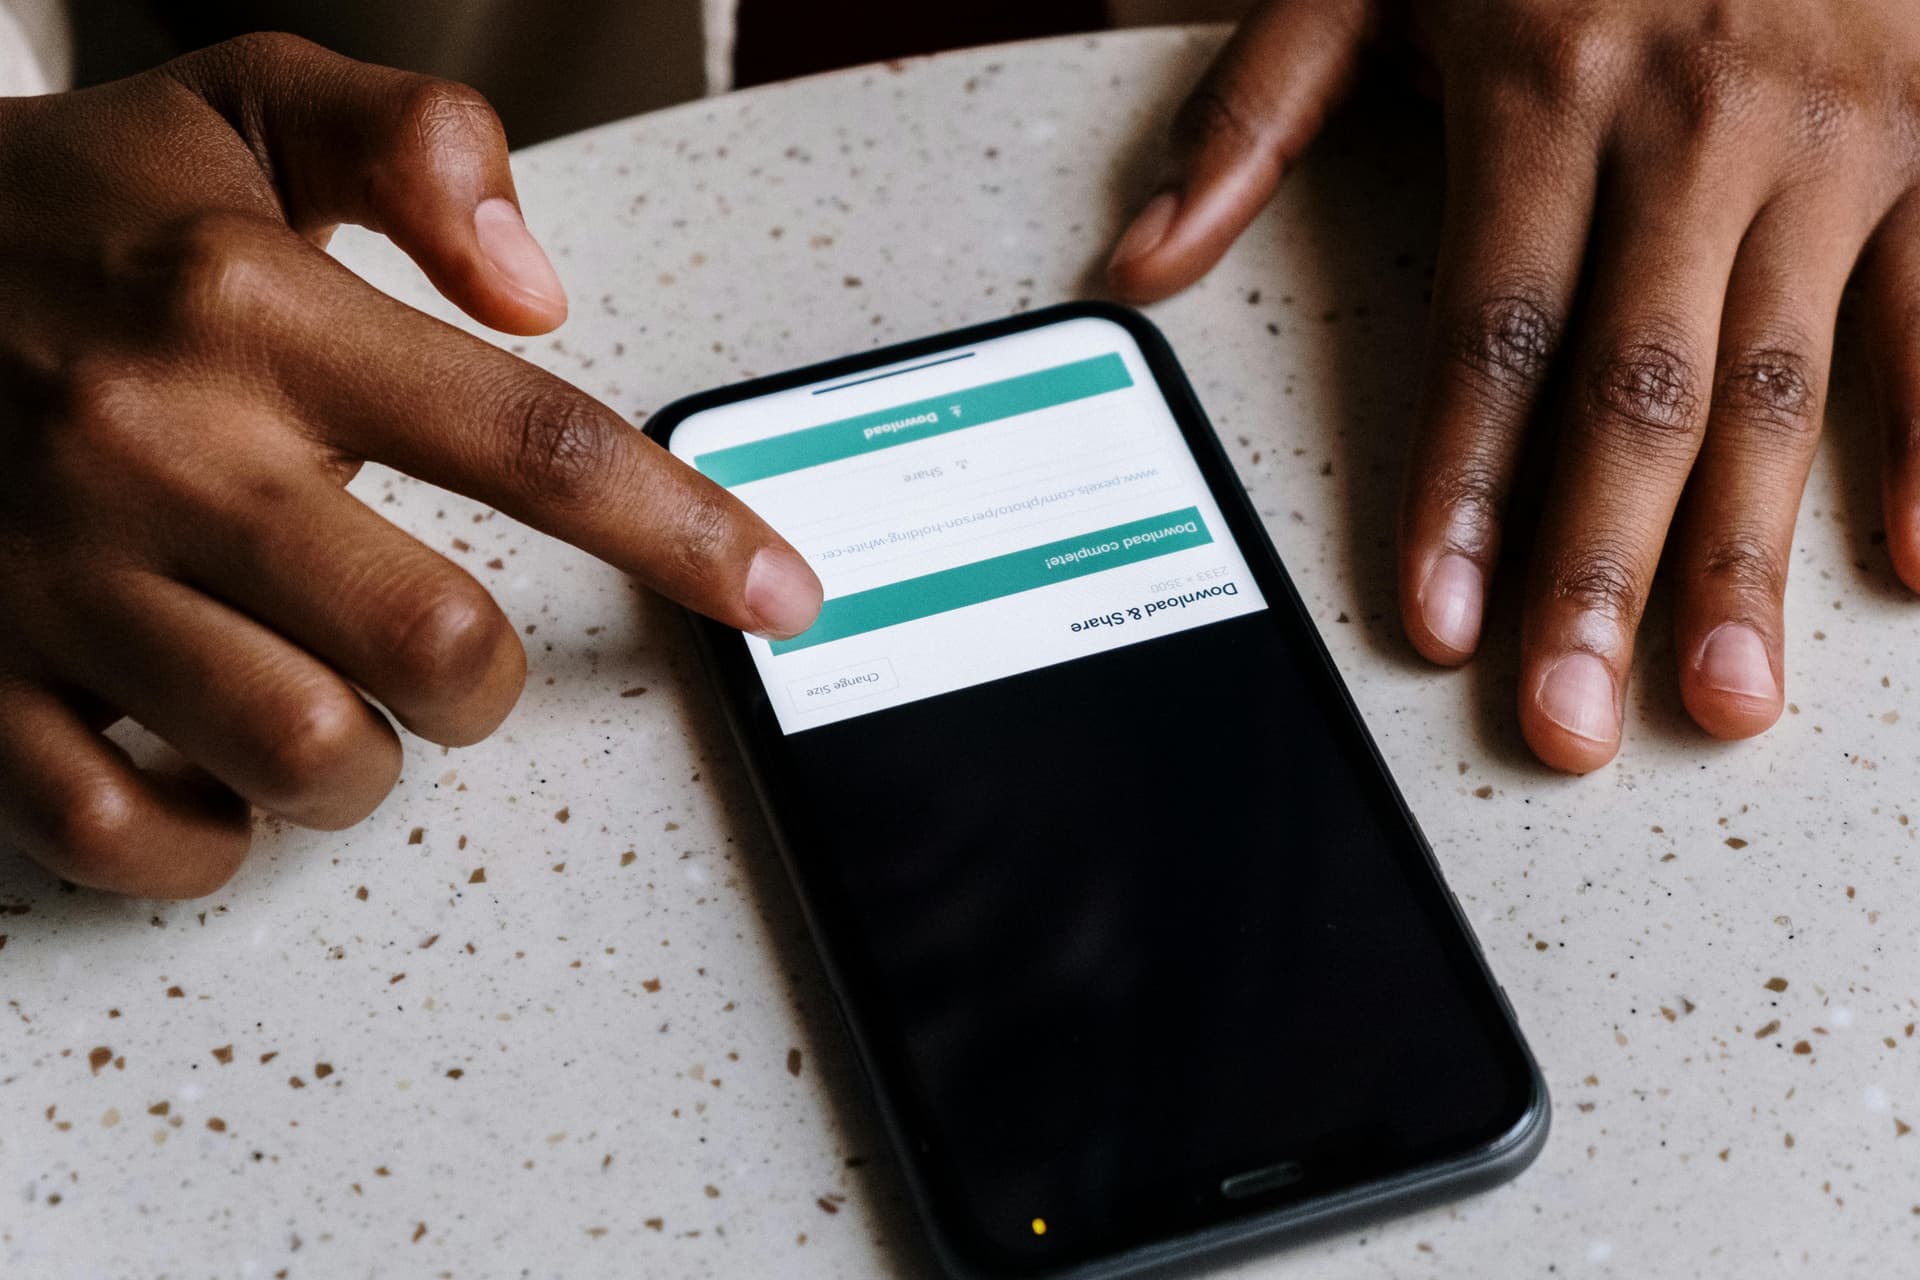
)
(1716, 168)
(187, 382)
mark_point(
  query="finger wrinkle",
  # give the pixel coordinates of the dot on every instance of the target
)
(1508, 340)
(1650, 385)
(1747, 563)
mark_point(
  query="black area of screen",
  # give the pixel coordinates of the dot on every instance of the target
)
(1133, 924)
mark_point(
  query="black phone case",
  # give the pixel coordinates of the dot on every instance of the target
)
(724, 655)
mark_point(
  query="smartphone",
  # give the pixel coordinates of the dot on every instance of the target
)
(1138, 943)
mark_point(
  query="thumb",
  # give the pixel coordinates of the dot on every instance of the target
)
(1256, 109)
(423, 161)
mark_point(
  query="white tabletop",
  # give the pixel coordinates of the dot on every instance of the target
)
(551, 1011)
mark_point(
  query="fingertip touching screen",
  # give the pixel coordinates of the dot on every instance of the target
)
(995, 509)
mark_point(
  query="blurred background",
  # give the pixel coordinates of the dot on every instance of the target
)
(553, 67)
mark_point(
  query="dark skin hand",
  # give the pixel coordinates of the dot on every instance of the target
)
(1719, 169)
(186, 383)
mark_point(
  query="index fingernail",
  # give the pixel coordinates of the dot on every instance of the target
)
(514, 253)
(782, 592)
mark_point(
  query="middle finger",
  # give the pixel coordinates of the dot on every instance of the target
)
(1636, 410)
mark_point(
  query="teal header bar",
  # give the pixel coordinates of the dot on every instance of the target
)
(1007, 575)
(903, 424)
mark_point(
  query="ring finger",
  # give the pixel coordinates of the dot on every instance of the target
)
(241, 702)
(1636, 411)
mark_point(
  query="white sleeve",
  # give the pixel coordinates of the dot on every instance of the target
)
(36, 47)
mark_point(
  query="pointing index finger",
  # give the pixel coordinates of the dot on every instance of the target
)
(439, 404)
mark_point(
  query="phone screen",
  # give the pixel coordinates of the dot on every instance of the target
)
(1024, 502)
(1126, 914)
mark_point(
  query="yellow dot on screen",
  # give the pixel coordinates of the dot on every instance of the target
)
(1039, 1226)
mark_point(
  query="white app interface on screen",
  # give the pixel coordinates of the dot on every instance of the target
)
(975, 514)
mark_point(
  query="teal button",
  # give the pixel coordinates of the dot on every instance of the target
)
(903, 424)
(1010, 574)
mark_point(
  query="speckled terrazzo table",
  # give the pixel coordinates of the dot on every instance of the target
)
(551, 1012)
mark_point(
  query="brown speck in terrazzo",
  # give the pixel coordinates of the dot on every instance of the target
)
(361, 893)
(176, 993)
(321, 1070)
(265, 1058)
(1483, 793)
(454, 1073)
(651, 984)
(1767, 1030)
(160, 1108)
(596, 1232)
(655, 1224)
(1802, 1047)
(99, 1058)
(793, 1062)
(295, 1082)
(562, 814)
(1775, 984)
(223, 1055)
(419, 1229)
(1735, 842)
(713, 1192)
(626, 859)
(827, 1206)
(1901, 1128)
(216, 1124)
(634, 692)
(479, 876)
(1789, 1142)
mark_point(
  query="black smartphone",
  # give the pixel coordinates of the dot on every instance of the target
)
(1138, 943)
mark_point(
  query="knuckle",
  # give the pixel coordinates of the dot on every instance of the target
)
(211, 270)
(1471, 491)
(1748, 563)
(704, 531)
(1598, 578)
(309, 742)
(1711, 84)
(1565, 59)
(267, 50)
(563, 444)
(447, 644)
(1774, 391)
(437, 116)
(1826, 114)
(1213, 116)
(1650, 390)
(95, 828)
(1506, 342)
